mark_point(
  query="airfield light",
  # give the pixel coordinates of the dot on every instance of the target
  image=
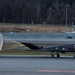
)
(66, 16)
(1, 41)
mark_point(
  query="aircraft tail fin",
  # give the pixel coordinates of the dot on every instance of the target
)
(31, 46)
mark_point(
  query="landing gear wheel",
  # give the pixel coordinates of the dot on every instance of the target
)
(58, 55)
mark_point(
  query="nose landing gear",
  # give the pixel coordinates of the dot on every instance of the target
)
(52, 55)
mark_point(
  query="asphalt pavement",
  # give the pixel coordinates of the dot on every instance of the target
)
(36, 65)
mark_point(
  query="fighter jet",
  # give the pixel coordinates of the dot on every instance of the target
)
(57, 49)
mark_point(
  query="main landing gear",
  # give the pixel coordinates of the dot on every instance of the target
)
(57, 55)
(52, 55)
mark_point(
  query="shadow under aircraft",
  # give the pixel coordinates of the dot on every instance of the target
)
(52, 49)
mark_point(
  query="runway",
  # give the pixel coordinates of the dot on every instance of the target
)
(36, 65)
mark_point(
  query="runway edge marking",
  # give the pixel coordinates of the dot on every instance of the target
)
(57, 71)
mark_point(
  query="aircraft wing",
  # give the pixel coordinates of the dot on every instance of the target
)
(62, 48)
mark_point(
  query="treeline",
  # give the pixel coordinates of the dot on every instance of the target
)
(37, 11)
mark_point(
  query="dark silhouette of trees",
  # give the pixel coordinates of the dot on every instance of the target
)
(37, 11)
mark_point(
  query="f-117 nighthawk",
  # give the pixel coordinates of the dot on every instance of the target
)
(57, 49)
